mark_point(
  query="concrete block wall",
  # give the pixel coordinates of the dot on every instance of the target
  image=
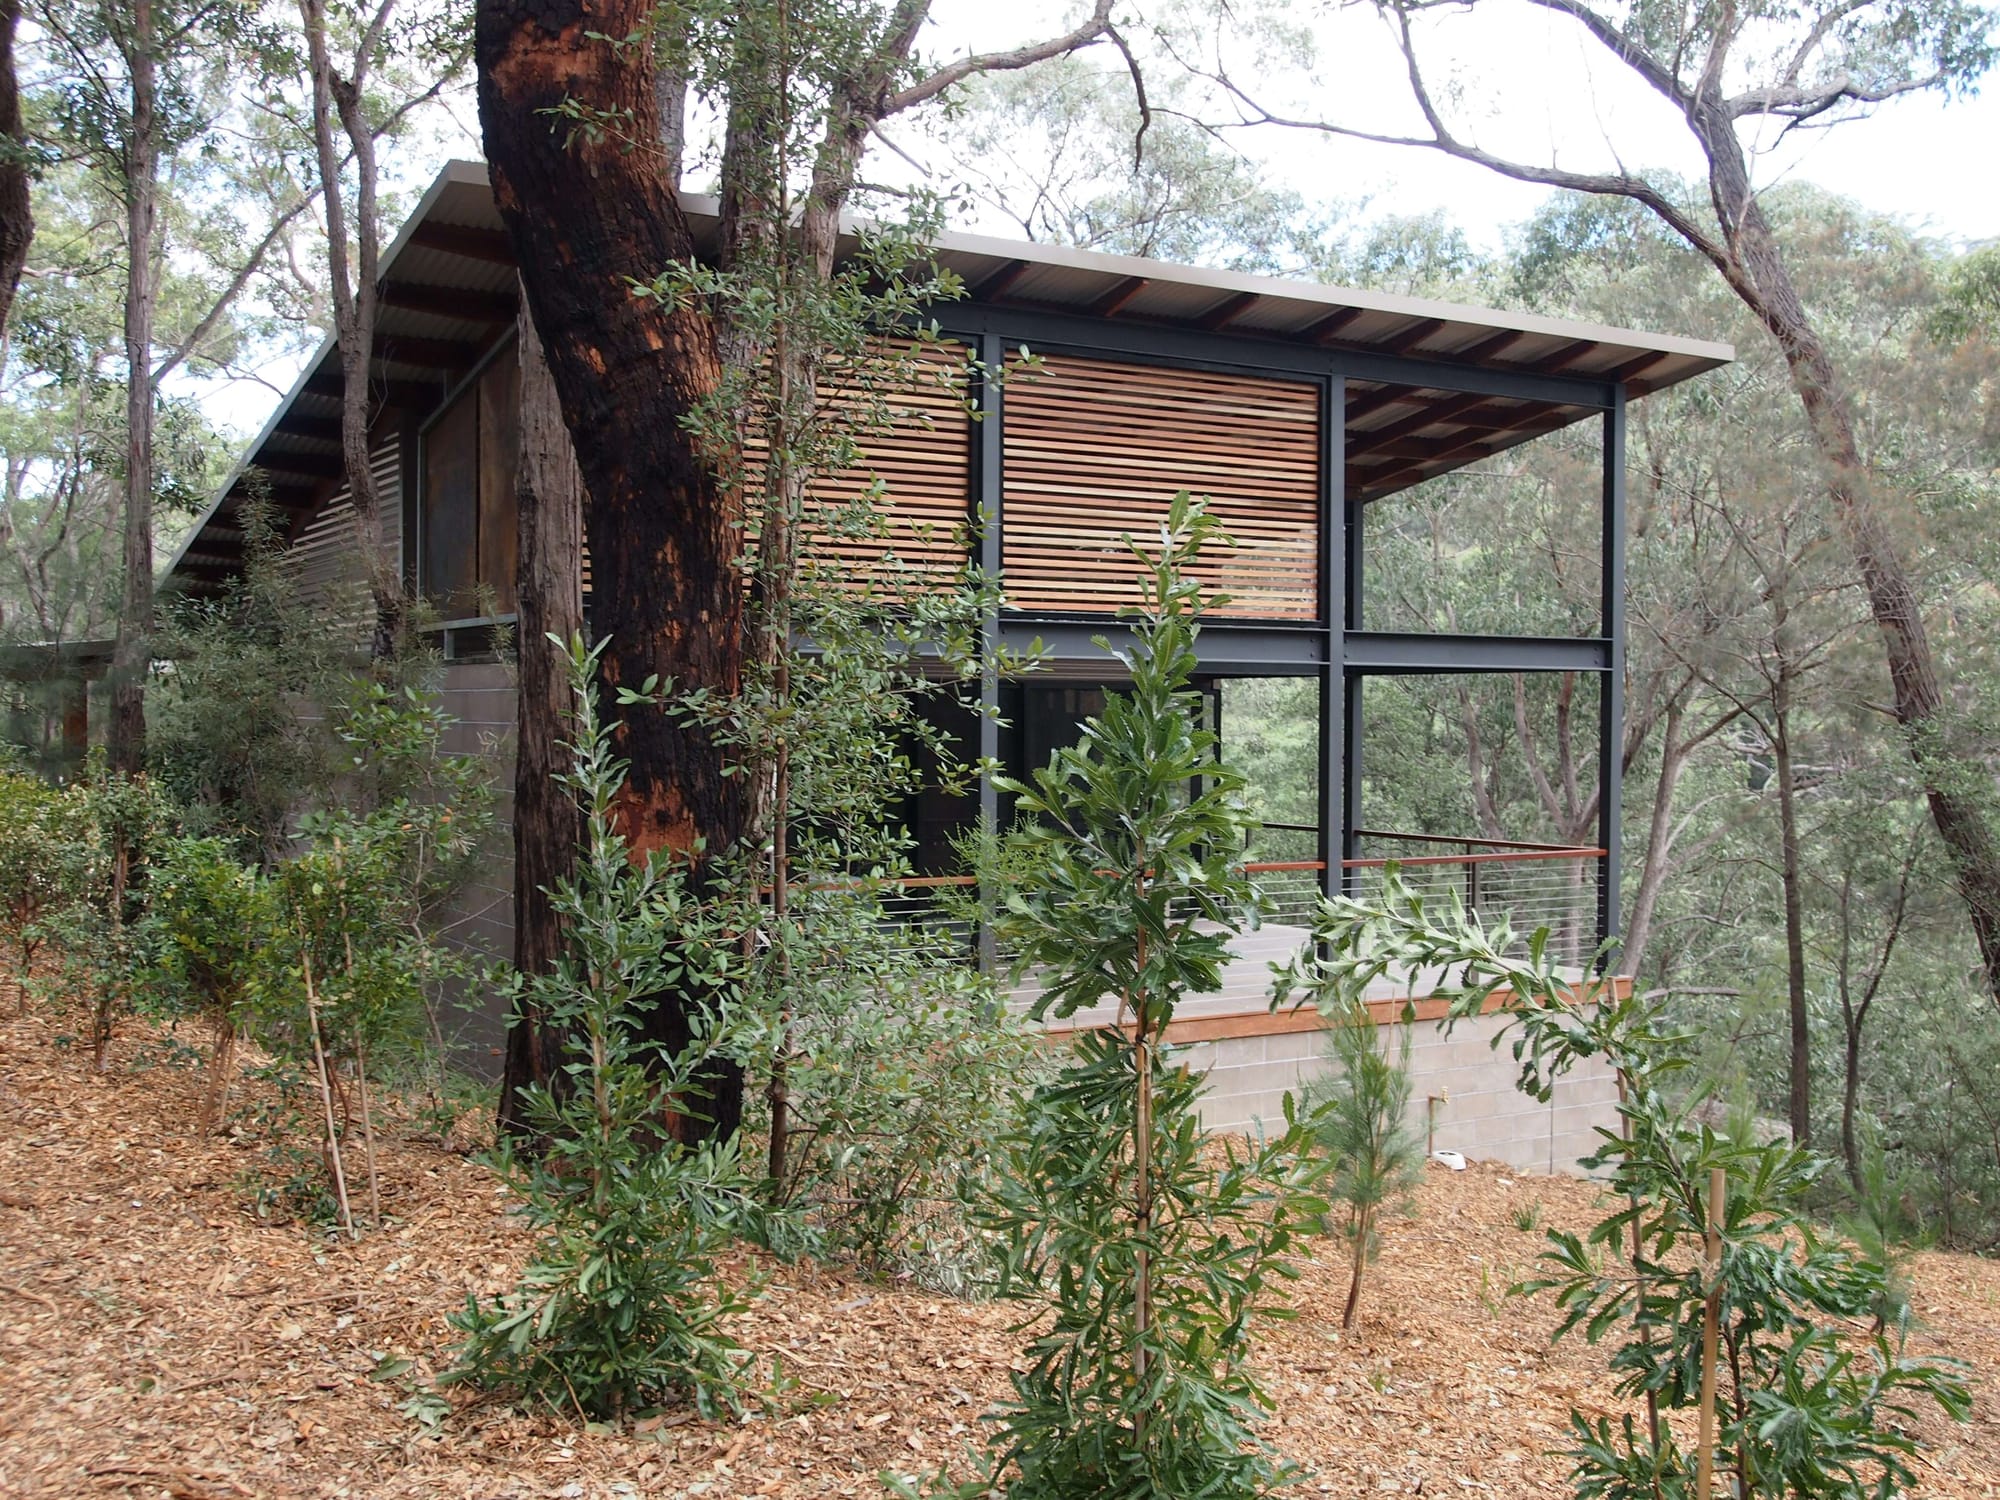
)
(1483, 1114)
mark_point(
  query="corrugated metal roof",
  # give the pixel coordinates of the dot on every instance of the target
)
(449, 292)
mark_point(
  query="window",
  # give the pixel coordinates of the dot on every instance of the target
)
(468, 541)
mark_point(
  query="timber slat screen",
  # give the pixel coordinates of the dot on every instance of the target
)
(332, 579)
(897, 518)
(1095, 449)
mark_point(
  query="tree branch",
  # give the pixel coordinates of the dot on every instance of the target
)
(1092, 29)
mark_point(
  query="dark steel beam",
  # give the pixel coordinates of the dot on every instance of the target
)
(987, 498)
(1117, 297)
(428, 354)
(1228, 649)
(1366, 442)
(1067, 331)
(1565, 357)
(402, 395)
(1374, 401)
(1406, 339)
(283, 496)
(311, 465)
(1627, 375)
(1226, 312)
(995, 286)
(1474, 444)
(1329, 326)
(1395, 652)
(1491, 348)
(1338, 589)
(323, 429)
(490, 245)
(449, 301)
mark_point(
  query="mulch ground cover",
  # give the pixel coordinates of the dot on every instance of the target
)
(158, 1339)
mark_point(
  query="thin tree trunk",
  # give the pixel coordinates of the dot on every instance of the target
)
(325, 1080)
(630, 373)
(17, 218)
(221, 1070)
(368, 1135)
(131, 656)
(1658, 862)
(1362, 1217)
(337, 101)
(1792, 881)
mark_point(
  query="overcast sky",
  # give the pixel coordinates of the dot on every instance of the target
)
(1529, 84)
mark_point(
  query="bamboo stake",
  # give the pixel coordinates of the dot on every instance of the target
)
(1711, 1314)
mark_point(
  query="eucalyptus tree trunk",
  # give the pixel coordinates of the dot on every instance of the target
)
(1791, 880)
(630, 375)
(17, 218)
(338, 104)
(548, 828)
(131, 657)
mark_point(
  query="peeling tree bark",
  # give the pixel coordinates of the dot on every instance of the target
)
(17, 218)
(548, 829)
(131, 656)
(628, 372)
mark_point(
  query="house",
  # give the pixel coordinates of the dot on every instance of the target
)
(1294, 406)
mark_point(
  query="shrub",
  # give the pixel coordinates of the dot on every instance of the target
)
(621, 1306)
(212, 930)
(903, 1072)
(37, 865)
(1359, 1126)
(1813, 1402)
(1150, 1246)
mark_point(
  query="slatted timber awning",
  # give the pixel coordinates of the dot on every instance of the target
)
(449, 289)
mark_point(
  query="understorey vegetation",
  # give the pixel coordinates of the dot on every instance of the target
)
(1801, 1332)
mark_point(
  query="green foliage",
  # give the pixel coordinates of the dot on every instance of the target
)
(212, 925)
(903, 1072)
(224, 729)
(621, 1306)
(1358, 1124)
(1104, 1410)
(1144, 1248)
(1812, 1402)
(38, 863)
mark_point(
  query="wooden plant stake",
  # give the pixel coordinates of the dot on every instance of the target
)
(326, 1095)
(1711, 1314)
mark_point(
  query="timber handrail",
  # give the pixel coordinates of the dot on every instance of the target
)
(1497, 851)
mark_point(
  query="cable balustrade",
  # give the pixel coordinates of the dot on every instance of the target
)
(1522, 886)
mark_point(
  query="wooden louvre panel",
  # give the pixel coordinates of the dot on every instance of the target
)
(332, 578)
(1094, 451)
(917, 447)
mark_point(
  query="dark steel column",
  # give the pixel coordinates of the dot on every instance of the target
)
(1352, 616)
(1333, 610)
(1611, 686)
(985, 503)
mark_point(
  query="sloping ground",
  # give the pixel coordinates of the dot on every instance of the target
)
(158, 1340)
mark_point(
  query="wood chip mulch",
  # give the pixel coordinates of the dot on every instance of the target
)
(158, 1339)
